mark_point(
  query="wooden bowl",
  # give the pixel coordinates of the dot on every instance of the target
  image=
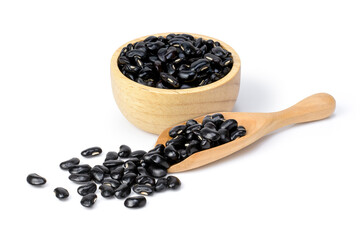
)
(154, 109)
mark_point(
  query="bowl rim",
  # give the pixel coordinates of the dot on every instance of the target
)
(115, 71)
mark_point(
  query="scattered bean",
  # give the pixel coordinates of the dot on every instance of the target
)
(69, 163)
(135, 202)
(61, 193)
(88, 200)
(87, 188)
(91, 152)
(35, 179)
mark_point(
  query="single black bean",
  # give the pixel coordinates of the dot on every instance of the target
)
(205, 144)
(91, 152)
(142, 171)
(124, 151)
(130, 165)
(191, 122)
(136, 53)
(173, 182)
(135, 202)
(206, 119)
(143, 189)
(210, 134)
(111, 156)
(229, 124)
(161, 54)
(122, 191)
(169, 79)
(137, 154)
(192, 147)
(97, 174)
(69, 163)
(219, 51)
(80, 178)
(213, 58)
(227, 62)
(35, 179)
(154, 46)
(239, 132)
(159, 148)
(177, 142)
(182, 154)
(145, 180)
(117, 173)
(151, 39)
(160, 160)
(171, 53)
(187, 75)
(106, 191)
(61, 193)
(157, 171)
(82, 168)
(88, 200)
(224, 135)
(113, 163)
(128, 178)
(87, 188)
(122, 60)
(200, 65)
(111, 182)
(161, 185)
(171, 153)
(188, 48)
(103, 168)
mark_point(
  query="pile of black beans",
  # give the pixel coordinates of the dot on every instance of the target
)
(141, 172)
(175, 61)
(193, 137)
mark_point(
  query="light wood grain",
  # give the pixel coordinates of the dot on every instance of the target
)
(257, 125)
(154, 109)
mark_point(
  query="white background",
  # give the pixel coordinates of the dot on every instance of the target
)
(302, 182)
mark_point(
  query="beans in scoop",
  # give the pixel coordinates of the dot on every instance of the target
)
(176, 61)
(125, 173)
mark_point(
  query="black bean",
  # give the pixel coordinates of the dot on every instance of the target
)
(142, 171)
(239, 132)
(159, 149)
(160, 160)
(213, 58)
(113, 163)
(124, 151)
(161, 54)
(80, 178)
(82, 168)
(188, 48)
(122, 60)
(135, 202)
(117, 173)
(129, 166)
(182, 154)
(137, 154)
(61, 193)
(69, 163)
(111, 182)
(224, 135)
(210, 125)
(229, 124)
(173, 182)
(219, 51)
(171, 153)
(151, 39)
(143, 189)
(145, 180)
(191, 122)
(177, 142)
(157, 171)
(128, 178)
(87, 188)
(35, 179)
(111, 156)
(169, 79)
(205, 144)
(187, 75)
(161, 185)
(200, 65)
(136, 53)
(91, 152)
(192, 147)
(103, 168)
(122, 191)
(97, 174)
(88, 200)
(106, 191)
(210, 134)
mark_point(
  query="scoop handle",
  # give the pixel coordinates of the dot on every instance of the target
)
(312, 108)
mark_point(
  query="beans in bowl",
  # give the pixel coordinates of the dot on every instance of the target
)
(176, 61)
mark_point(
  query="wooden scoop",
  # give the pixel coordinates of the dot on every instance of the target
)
(257, 125)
